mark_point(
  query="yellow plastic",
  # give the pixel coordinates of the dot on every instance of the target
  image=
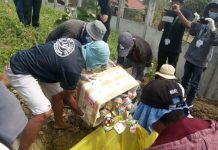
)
(101, 140)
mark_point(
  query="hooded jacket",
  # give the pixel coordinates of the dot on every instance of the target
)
(201, 55)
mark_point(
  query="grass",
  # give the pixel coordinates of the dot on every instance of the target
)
(14, 36)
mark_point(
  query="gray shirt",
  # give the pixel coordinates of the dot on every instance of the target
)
(12, 117)
(70, 29)
(200, 50)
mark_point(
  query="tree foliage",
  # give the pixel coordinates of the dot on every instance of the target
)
(88, 10)
(196, 5)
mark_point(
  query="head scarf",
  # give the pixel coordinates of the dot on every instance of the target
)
(95, 53)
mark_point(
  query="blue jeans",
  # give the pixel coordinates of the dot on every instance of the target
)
(20, 10)
(190, 80)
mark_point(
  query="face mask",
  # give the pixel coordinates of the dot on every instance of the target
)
(88, 39)
(212, 15)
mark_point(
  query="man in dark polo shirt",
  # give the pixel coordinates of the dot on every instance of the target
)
(173, 30)
(55, 66)
(77, 29)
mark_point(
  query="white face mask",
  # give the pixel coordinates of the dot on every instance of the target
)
(212, 15)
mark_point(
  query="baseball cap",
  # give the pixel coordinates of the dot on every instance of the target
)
(125, 42)
(96, 29)
(161, 93)
(166, 71)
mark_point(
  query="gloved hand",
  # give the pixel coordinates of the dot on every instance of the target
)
(88, 77)
(197, 17)
(211, 24)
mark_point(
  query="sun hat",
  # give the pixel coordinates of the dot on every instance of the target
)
(125, 42)
(96, 30)
(166, 71)
(95, 53)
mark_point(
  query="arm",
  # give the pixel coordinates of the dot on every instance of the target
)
(185, 22)
(161, 24)
(103, 15)
(103, 18)
(70, 99)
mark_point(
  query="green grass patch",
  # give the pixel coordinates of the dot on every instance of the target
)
(14, 36)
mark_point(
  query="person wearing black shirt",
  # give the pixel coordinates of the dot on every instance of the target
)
(105, 16)
(171, 41)
(135, 52)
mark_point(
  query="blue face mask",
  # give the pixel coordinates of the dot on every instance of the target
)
(88, 39)
(212, 15)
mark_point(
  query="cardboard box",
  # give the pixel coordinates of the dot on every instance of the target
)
(108, 84)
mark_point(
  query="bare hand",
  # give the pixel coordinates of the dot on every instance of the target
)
(176, 8)
(164, 12)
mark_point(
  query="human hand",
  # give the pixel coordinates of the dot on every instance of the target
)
(196, 18)
(87, 77)
(176, 8)
(163, 13)
(211, 24)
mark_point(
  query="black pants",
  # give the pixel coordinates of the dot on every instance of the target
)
(190, 80)
(164, 56)
(32, 11)
(106, 35)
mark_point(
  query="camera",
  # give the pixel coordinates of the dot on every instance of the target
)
(169, 16)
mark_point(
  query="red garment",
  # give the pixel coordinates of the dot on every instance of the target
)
(188, 134)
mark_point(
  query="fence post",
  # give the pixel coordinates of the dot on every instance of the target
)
(66, 3)
(121, 7)
(46, 2)
(150, 15)
(55, 3)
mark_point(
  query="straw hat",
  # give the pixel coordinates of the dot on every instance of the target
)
(167, 71)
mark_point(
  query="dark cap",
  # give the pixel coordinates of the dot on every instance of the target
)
(160, 93)
(125, 42)
(180, 1)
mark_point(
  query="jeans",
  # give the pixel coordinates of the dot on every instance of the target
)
(190, 80)
(20, 10)
(164, 56)
(29, 7)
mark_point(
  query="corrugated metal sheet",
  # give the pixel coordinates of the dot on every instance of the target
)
(209, 81)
